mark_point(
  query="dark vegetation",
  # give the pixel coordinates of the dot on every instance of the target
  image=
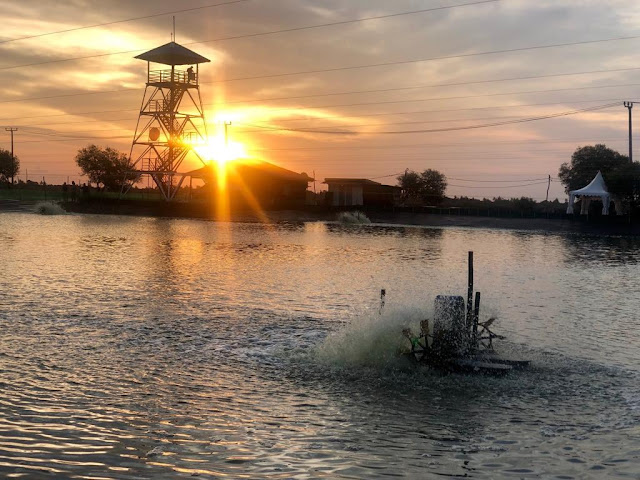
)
(426, 188)
(106, 167)
(621, 176)
(9, 166)
(422, 192)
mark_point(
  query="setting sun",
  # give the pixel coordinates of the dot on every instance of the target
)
(221, 151)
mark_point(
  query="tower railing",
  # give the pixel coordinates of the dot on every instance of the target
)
(149, 164)
(179, 76)
(156, 106)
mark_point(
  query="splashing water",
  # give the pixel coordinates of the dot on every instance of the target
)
(371, 339)
(48, 208)
(355, 217)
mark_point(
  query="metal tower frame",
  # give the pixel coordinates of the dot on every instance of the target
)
(171, 120)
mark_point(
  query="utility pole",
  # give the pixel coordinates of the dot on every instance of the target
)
(315, 195)
(629, 105)
(548, 185)
(404, 186)
(13, 159)
(226, 134)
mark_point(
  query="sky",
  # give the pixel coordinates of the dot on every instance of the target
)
(336, 88)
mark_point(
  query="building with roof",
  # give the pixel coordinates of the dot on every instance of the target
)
(246, 183)
(348, 192)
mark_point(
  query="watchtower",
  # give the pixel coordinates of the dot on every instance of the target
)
(171, 120)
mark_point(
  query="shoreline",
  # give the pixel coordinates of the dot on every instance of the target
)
(618, 226)
(549, 225)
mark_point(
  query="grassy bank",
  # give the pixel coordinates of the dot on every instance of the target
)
(146, 205)
(603, 225)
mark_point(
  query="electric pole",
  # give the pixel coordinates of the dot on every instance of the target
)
(548, 185)
(226, 134)
(13, 159)
(629, 105)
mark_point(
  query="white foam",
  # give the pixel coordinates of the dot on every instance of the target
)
(49, 208)
(371, 339)
(355, 217)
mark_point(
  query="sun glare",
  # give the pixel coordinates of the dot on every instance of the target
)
(220, 151)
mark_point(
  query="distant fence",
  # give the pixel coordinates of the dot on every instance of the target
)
(463, 211)
(33, 191)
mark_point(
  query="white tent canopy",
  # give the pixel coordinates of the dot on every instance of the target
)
(596, 189)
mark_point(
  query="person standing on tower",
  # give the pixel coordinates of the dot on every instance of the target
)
(190, 74)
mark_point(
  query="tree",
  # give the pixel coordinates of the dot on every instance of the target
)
(106, 166)
(624, 182)
(621, 176)
(9, 165)
(410, 185)
(434, 185)
(525, 205)
(585, 163)
(427, 187)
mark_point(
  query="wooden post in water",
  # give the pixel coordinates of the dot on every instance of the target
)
(470, 293)
(476, 316)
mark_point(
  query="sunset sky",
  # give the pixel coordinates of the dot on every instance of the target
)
(359, 70)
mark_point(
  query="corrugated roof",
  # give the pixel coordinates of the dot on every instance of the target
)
(172, 53)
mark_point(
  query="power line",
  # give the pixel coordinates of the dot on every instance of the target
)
(448, 129)
(428, 59)
(614, 102)
(414, 122)
(493, 187)
(386, 102)
(249, 131)
(519, 120)
(65, 95)
(72, 113)
(423, 145)
(379, 147)
(333, 106)
(353, 67)
(617, 100)
(40, 125)
(69, 139)
(39, 35)
(330, 94)
(463, 97)
(498, 181)
(475, 181)
(438, 85)
(402, 101)
(252, 35)
(386, 176)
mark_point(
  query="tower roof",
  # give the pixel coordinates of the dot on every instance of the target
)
(172, 53)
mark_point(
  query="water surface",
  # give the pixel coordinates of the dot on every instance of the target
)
(159, 348)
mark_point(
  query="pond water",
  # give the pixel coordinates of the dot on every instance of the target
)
(159, 348)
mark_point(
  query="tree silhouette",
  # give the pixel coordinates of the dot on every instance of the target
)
(621, 176)
(106, 166)
(427, 187)
(9, 165)
(585, 164)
